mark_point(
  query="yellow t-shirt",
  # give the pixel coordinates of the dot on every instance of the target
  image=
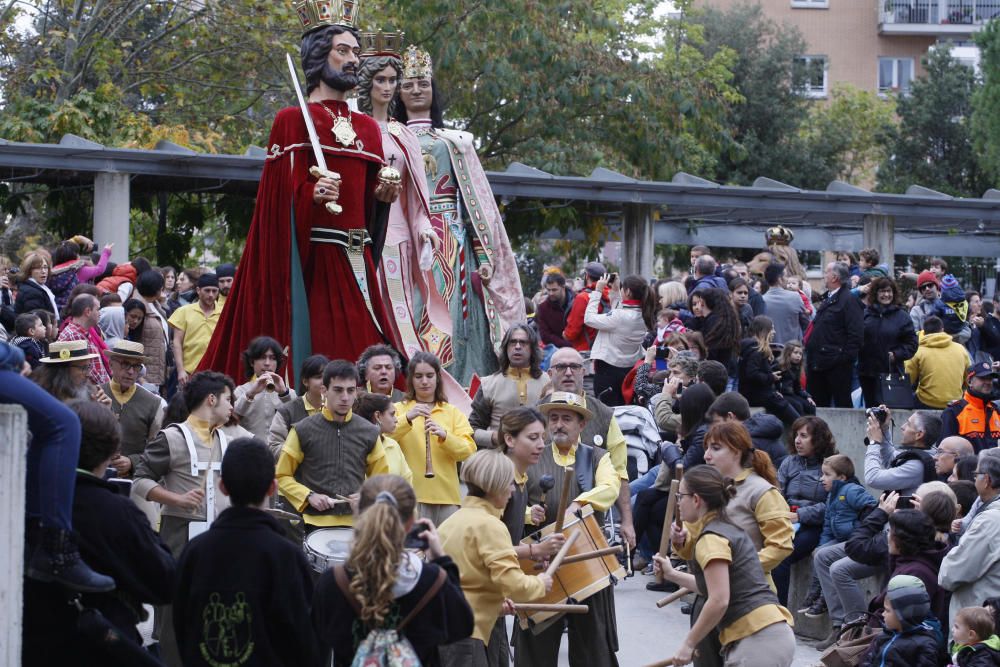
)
(197, 330)
(715, 547)
(443, 488)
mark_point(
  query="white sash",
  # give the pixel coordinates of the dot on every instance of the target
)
(197, 467)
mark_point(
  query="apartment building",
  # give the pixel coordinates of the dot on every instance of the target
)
(875, 44)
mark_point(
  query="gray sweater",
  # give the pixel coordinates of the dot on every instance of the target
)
(786, 310)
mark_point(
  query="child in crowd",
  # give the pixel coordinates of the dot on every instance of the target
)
(790, 384)
(975, 643)
(911, 636)
(846, 503)
(30, 336)
(794, 283)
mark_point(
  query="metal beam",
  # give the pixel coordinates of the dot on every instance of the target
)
(739, 236)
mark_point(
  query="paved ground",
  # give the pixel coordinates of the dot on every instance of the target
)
(647, 634)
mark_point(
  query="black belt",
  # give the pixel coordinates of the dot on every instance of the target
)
(352, 239)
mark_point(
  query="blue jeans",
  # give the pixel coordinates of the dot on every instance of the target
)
(644, 482)
(806, 539)
(53, 451)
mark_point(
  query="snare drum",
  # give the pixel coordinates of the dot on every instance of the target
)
(326, 547)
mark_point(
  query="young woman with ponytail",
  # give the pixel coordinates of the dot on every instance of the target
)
(758, 508)
(479, 542)
(724, 570)
(388, 581)
(620, 332)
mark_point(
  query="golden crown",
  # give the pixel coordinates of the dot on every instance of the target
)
(320, 13)
(417, 63)
(382, 44)
(779, 236)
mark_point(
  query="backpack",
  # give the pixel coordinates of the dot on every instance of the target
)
(384, 647)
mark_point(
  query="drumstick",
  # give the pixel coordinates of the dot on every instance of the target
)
(428, 462)
(669, 662)
(565, 608)
(557, 561)
(673, 597)
(668, 518)
(679, 476)
(576, 558)
(564, 498)
(628, 560)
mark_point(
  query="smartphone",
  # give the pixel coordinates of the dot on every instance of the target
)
(613, 279)
(413, 539)
(904, 503)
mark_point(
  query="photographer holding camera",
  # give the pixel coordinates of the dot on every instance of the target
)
(976, 416)
(902, 469)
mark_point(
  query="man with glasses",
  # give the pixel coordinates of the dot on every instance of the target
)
(566, 371)
(948, 453)
(971, 570)
(520, 381)
(930, 296)
(139, 412)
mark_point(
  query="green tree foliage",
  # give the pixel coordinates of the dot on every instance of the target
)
(986, 103)
(932, 145)
(852, 124)
(767, 137)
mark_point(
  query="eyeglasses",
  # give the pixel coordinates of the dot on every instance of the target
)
(518, 343)
(928, 286)
(977, 473)
(563, 368)
(681, 495)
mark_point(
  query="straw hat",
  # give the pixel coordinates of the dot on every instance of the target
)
(566, 400)
(65, 351)
(128, 350)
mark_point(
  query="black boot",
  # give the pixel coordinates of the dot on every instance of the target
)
(57, 560)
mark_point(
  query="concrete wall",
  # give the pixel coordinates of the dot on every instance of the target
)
(13, 447)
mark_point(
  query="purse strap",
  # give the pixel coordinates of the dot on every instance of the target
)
(340, 576)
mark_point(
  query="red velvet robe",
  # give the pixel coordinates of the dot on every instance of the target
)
(264, 298)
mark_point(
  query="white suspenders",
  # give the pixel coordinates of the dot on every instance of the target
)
(197, 467)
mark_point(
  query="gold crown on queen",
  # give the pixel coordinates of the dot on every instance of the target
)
(382, 43)
(321, 13)
(417, 63)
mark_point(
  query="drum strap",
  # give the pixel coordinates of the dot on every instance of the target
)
(340, 575)
(197, 466)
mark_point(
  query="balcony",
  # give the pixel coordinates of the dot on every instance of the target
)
(939, 18)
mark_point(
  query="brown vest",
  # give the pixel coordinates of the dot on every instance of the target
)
(134, 417)
(334, 457)
(740, 509)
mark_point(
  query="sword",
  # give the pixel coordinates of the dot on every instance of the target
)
(320, 170)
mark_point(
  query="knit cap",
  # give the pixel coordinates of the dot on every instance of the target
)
(926, 277)
(951, 291)
(909, 600)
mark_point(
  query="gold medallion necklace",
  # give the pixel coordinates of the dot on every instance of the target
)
(343, 130)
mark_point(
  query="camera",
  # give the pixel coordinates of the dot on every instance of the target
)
(904, 503)
(879, 413)
(413, 539)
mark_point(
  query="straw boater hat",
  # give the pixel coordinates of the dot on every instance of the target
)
(65, 351)
(566, 400)
(126, 349)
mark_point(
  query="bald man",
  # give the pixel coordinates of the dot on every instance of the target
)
(949, 451)
(566, 370)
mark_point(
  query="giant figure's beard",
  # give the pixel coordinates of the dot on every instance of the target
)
(340, 80)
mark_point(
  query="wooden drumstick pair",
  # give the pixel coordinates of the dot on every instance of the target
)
(672, 515)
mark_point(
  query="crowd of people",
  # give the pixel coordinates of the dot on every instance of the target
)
(286, 482)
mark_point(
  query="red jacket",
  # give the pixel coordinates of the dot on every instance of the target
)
(578, 335)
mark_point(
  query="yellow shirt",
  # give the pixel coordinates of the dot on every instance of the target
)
(395, 460)
(716, 547)
(298, 493)
(122, 397)
(479, 543)
(197, 330)
(442, 489)
(606, 480)
(775, 527)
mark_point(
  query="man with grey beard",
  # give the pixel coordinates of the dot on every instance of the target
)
(593, 637)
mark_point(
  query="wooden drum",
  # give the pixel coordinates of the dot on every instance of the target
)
(573, 582)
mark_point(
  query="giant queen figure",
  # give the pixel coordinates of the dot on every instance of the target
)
(473, 265)
(308, 273)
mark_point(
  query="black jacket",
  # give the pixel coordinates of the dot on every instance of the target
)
(867, 543)
(694, 446)
(765, 432)
(790, 383)
(244, 581)
(32, 297)
(887, 329)
(921, 646)
(115, 539)
(447, 618)
(836, 332)
(989, 336)
(756, 381)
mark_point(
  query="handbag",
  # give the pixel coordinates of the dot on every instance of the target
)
(897, 392)
(854, 641)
